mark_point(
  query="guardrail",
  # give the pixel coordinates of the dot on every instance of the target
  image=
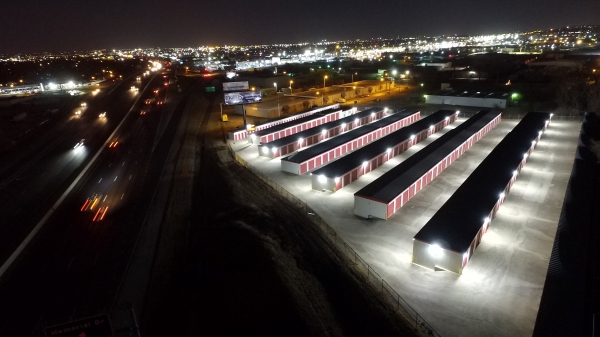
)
(356, 261)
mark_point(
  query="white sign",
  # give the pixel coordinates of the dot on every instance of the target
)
(235, 86)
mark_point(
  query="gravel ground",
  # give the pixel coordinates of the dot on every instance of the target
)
(254, 264)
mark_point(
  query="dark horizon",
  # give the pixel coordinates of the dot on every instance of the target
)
(63, 25)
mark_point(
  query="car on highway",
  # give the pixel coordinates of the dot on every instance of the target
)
(78, 112)
(377, 100)
(102, 115)
(80, 144)
(159, 103)
(84, 104)
(113, 144)
(143, 112)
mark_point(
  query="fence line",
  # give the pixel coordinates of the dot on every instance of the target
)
(357, 262)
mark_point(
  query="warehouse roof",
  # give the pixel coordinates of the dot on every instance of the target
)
(356, 158)
(457, 222)
(316, 130)
(474, 94)
(298, 121)
(392, 183)
(334, 142)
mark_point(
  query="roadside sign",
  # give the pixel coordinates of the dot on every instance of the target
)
(97, 326)
(235, 86)
(210, 89)
(242, 97)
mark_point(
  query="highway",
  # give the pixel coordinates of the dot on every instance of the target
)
(74, 265)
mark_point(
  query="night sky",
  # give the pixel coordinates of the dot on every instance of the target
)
(66, 25)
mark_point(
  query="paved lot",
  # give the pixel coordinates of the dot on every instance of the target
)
(500, 289)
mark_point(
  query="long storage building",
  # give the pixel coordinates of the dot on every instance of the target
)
(344, 171)
(302, 139)
(320, 154)
(450, 237)
(301, 124)
(388, 193)
(236, 135)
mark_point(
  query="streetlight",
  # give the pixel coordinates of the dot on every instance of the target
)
(324, 79)
(353, 76)
(291, 81)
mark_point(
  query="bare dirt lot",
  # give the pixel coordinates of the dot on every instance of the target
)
(240, 260)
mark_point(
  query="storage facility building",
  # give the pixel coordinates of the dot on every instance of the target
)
(302, 139)
(333, 148)
(344, 171)
(469, 98)
(301, 124)
(450, 237)
(236, 135)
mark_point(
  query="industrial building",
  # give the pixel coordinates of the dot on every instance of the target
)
(450, 237)
(344, 171)
(301, 124)
(388, 193)
(241, 134)
(469, 98)
(302, 139)
(327, 151)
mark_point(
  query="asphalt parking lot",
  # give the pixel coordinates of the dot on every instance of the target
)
(501, 286)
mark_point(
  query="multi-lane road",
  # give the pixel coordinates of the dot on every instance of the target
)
(74, 265)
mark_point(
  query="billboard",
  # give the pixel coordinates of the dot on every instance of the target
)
(242, 97)
(235, 86)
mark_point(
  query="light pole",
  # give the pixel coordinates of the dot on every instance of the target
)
(353, 76)
(275, 85)
(324, 79)
(291, 81)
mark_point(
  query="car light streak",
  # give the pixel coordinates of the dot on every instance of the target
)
(86, 202)
(103, 213)
(96, 216)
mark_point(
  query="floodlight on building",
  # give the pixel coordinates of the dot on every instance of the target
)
(525, 155)
(457, 112)
(385, 109)
(355, 120)
(265, 150)
(515, 172)
(274, 149)
(551, 115)
(533, 142)
(364, 164)
(502, 195)
(447, 118)
(372, 114)
(336, 180)
(486, 220)
(412, 137)
(343, 125)
(435, 250)
(322, 179)
(323, 131)
(540, 133)
(431, 126)
(300, 140)
(388, 150)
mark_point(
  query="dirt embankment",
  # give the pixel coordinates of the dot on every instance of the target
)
(256, 266)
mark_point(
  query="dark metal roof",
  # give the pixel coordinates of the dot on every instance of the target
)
(475, 94)
(296, 122)
(356, 158)
(316, 130)
(336, 141)
(393, 182)
(565, 309)
(456, 223)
